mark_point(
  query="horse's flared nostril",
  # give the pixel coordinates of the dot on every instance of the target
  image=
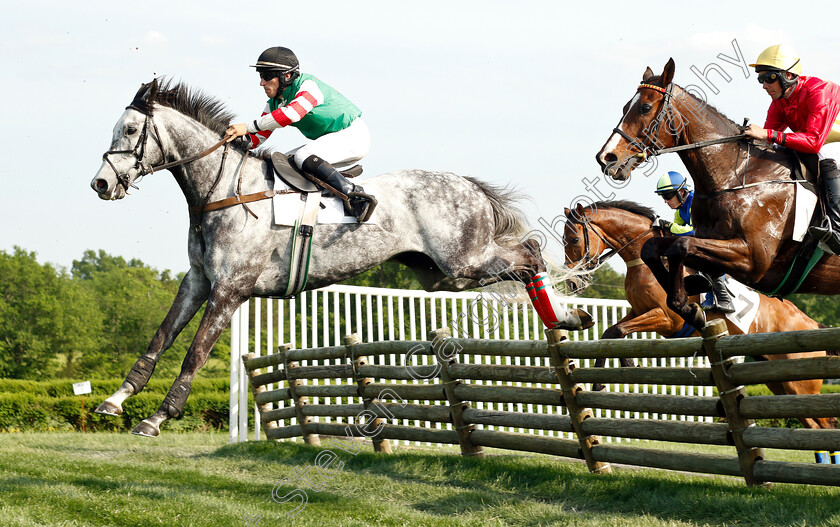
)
(100, 185)
(610, 158)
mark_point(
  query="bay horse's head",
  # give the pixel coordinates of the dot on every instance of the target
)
(131, 153)
(646, 126)
(583, 247)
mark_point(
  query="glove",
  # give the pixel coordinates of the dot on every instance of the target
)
(664, 226)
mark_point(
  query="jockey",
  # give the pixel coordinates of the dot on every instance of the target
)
(673, 187)
(809, 107)
(333, 124)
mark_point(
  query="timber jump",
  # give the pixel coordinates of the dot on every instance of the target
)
(435, 388)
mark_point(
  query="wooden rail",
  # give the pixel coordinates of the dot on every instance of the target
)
(443, 396)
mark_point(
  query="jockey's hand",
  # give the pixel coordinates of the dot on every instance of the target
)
(756, 132)
(234, 131)
(664, 226)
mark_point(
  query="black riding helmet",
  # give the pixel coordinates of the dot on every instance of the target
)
(279, 61)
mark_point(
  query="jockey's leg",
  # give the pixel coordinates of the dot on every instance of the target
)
(338, 149)
(830, 233)
(552, 312)
(359, 204)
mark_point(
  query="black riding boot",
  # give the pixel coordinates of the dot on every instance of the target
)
(359, 204)
(721, 300)
(829, 233)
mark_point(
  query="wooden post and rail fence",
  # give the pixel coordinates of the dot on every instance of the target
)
(442, 396)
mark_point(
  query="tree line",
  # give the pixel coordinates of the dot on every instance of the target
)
(96, 318)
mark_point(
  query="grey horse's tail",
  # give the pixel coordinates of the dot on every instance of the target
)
(510, 220)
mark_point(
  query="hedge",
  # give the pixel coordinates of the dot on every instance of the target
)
(51, 405)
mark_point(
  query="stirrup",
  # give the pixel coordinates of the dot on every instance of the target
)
(827, 237)
(366, 204)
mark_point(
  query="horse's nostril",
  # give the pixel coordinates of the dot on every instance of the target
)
(610, 158)
(101, 185)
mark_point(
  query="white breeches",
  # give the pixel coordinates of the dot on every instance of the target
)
(340, 149)
(830, 151)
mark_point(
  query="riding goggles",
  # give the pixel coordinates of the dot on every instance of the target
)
(268, 75)
(668, 195)
(768, 76)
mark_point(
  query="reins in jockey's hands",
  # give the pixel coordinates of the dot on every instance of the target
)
(234, 131)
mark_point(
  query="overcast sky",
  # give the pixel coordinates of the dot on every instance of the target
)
(521, 94)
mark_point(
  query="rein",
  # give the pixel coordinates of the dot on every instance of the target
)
(665, 111)
(139, 151)
(196, 212)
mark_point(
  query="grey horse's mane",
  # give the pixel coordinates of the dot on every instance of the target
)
(629, 206)
(194, 103)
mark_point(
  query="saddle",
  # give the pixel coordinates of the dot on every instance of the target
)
(302, 182)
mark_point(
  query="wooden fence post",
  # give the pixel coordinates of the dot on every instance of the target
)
(730, 397)
(456, 406)
(299, 401)
(265, 407)
(350, 341)
(563, 367)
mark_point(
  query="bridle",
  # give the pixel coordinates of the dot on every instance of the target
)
(667, 112)
(592, 262)
(139, 151)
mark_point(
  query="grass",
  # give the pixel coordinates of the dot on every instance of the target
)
(198, 479)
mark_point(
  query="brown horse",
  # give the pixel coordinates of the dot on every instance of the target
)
(623, 227)
(743, 210)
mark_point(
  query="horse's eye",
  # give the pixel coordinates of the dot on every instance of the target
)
(131, 130)
(646, 107)
(574, 240)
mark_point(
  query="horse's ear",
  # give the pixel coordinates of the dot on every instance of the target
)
(151, 93)
(668, 72)
(145, 97)
(567, 212)
(648, 74)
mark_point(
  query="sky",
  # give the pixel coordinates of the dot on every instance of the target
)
(519, 94)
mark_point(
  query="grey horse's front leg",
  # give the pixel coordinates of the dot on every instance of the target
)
(192, 293)
(224, 300)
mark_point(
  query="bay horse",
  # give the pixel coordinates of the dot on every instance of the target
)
(744, 202)
(455, 233)
(593, 234)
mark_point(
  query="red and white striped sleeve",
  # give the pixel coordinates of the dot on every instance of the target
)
(308, 97)
(258, 138)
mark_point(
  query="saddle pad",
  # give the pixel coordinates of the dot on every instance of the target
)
(746, 303)
(806, 202)
(287, 208)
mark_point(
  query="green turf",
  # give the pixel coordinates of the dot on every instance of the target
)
(199, 479)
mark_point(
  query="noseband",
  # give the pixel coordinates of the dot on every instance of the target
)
(139, 151)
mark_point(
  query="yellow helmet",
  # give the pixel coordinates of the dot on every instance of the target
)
(779, 57)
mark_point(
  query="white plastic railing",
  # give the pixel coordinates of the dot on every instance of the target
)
(323, 317)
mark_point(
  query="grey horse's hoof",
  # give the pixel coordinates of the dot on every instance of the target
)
(146, 429)
(108, 408)
(577, 320)
(586, 321)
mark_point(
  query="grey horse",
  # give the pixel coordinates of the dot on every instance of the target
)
(455, 233)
